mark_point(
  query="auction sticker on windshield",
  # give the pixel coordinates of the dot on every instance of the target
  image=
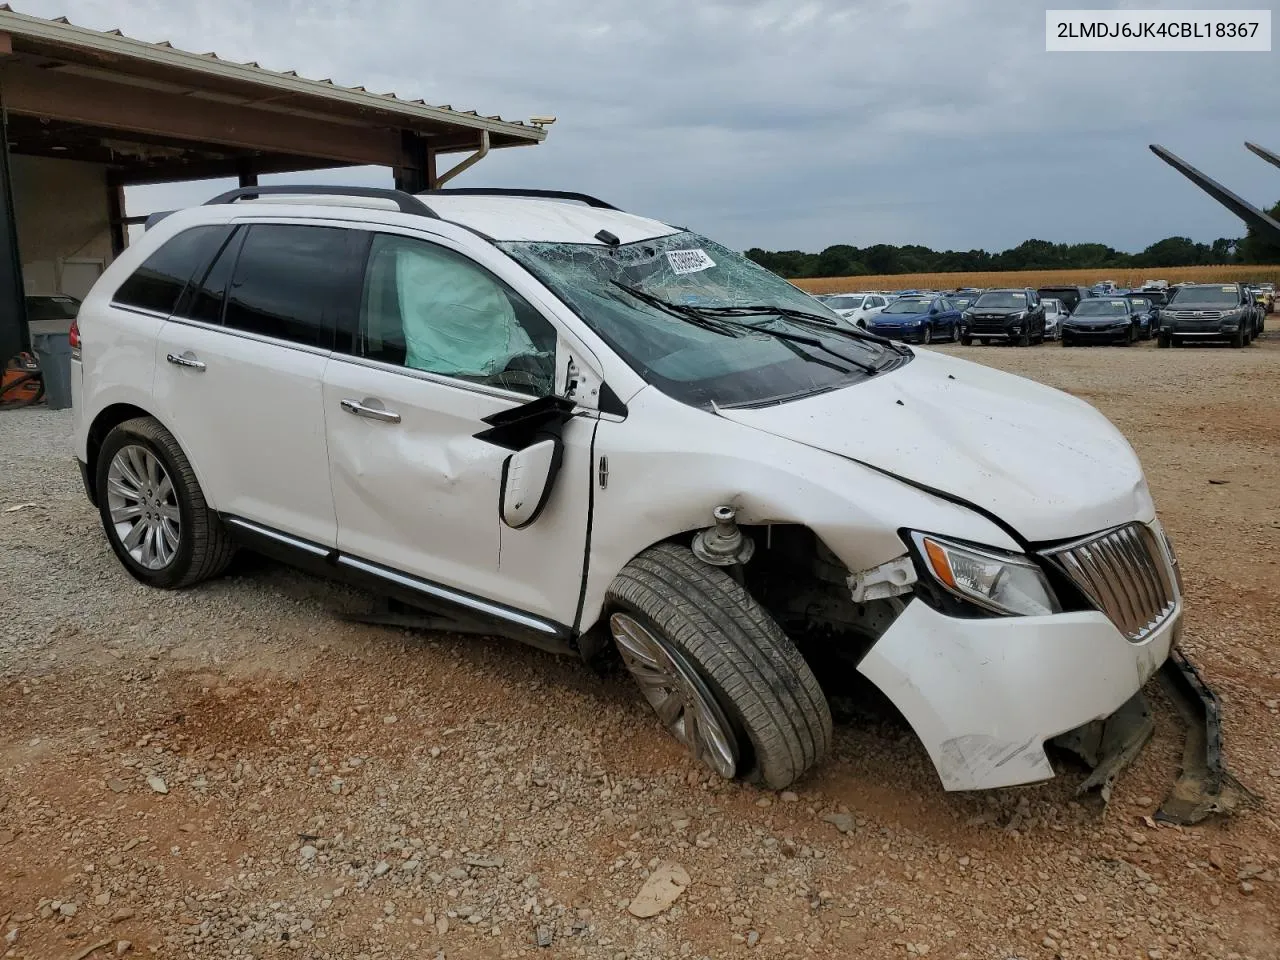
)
(689, 261)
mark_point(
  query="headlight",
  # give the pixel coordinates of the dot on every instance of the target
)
(1004, 582)
(1016, 316)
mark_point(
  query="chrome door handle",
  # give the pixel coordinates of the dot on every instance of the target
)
(360, 409)
(186, 360)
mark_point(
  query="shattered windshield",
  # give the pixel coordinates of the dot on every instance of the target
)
(646, 300)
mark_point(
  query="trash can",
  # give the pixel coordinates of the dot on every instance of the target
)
(51, 342)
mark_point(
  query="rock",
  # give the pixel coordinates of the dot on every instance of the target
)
(123, 947)
(789, 797)
(542, 936)
(156, 784)
(1049, 943)
(124, 913)
(117, 786)
(308, 853)
(841, 821)
(753, 937)
(1080, 898)
(488, 861)
(1246, 887)
(102, 899)
(1215, 858)
(410, 866)
(381, 869)
(764, 802)
(12, 936)
(664, 886)
(442, 926)
(390, 719)
(1248, 871)
(68, 909)
(306, 926)
(1154, 953)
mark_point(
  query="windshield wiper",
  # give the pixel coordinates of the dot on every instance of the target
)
(718, 320)
(803, 317)
(680, 311)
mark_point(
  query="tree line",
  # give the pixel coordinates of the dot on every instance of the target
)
(844, 260)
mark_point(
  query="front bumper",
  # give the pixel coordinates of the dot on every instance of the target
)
(984, 695)
(1097, 334)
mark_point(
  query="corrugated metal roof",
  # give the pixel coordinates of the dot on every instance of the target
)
(62, 31)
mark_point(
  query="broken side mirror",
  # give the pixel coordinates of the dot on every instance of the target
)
(528, 477)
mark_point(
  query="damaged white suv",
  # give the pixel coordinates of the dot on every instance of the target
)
(540, 416)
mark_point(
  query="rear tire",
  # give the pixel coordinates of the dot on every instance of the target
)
(926, 338)
(739, 655)
(177, 554)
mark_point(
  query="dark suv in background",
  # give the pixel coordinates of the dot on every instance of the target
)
(1209, 311)
(1015, 315)
(1068, 296)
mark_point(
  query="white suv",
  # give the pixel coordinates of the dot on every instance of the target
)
(587, 429)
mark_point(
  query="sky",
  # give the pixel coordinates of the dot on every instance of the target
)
(783, 124)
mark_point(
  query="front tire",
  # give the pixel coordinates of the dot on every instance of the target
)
(926, 338)
(1237, 338)
(722, 676)
(153, 510)
(1164, 341)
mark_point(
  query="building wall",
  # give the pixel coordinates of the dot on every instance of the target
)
(64, 233)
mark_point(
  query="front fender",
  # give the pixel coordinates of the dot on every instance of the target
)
(670, 464)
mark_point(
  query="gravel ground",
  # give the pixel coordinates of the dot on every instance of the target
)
(232, 772)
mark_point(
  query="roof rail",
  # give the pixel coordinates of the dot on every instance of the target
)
(589, 200)
(406, 202)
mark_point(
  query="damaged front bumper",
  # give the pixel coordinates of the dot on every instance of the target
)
(1204, 786)
(984, 695)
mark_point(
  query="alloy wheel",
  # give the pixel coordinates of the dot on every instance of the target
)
(143, 506)
(678, 695)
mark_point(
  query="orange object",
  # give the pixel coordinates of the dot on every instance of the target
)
(20, 383)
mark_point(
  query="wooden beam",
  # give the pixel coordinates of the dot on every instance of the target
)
(217, 169)
(47, 93)
(6, 44)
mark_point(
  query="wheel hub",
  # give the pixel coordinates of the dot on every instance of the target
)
(143, 506)
(677, 694)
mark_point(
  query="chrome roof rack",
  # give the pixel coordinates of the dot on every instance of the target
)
(406, 202)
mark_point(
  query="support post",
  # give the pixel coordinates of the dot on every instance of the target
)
(13, 307)
(115, 214)
(411, 174)
(248, 175)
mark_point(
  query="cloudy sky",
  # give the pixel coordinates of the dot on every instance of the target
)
(785, 123)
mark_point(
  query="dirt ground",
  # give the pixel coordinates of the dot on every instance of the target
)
(336, 790)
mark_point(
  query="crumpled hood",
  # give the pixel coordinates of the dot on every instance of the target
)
(1047, 464)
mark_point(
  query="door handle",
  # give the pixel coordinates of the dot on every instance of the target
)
(187, 360)
(362, 409)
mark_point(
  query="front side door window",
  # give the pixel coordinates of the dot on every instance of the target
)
(429, 308)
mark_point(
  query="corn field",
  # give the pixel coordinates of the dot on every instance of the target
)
(1040, 278)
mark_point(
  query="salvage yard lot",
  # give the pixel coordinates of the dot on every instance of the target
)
(339, 790)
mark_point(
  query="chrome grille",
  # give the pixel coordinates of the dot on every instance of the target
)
(1125, 572)
(1194, 314)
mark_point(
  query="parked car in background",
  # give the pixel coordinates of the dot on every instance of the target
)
(917, 320)
(1054, 314)
(1208, 311)
(1015, 315)
(1102, 320)
(1155, 285)
(1147, 312)
(1269, 292)
(1104, 288)
(857, 308)
(1068, 296)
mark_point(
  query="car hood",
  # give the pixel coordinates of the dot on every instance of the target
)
(1097, 321)
(1047, 464)
(995, 311)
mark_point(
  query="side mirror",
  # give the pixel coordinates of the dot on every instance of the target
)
(528, 477)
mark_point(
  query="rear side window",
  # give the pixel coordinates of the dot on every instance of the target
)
(206, 295)
(290, 281)
(157, 284)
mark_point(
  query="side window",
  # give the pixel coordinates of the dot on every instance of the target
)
(206, 294)
(429, 308)
(289, 282)
(157, 284)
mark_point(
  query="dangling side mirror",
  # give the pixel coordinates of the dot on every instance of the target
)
(528, 477)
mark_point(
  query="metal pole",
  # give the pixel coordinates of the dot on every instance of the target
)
(13, 309)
